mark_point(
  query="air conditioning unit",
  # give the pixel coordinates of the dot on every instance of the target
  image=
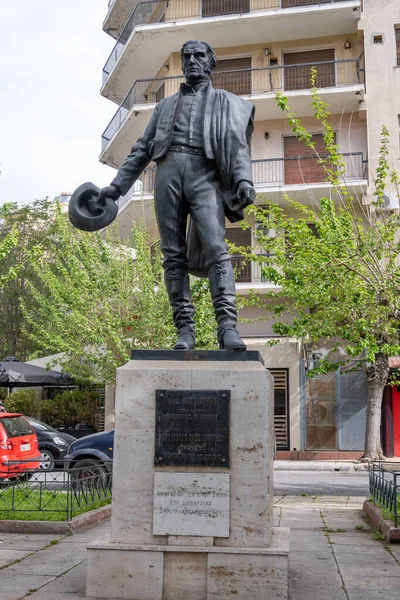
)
(391, 202)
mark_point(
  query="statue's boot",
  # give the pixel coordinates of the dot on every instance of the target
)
(177, 283)
(222, 284)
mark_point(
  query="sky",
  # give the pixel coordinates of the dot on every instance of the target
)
(51, 113)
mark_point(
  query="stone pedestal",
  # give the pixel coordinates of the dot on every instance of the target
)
(192, 531)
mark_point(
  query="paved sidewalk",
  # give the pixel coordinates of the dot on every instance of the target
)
(333, 556)
(329, 465)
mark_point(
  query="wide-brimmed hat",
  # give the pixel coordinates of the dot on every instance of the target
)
(86, 212)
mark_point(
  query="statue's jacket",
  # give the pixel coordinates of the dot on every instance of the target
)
(228, 125)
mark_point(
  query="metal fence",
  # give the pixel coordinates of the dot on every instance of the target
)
(243, 82)
(153, 11)
(269, 172)
(249, 271)
(293, 170)
(384, 487)
(53, 495)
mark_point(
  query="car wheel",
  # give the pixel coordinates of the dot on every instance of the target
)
(46, 460)
(88, 474)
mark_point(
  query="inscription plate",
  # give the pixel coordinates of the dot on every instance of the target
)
(192, 428)
(192, 504)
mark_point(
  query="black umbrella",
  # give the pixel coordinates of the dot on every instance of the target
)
(14, 373)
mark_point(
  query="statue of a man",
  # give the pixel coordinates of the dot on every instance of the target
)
(199, 139)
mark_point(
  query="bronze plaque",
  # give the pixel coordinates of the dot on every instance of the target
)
(192, 428)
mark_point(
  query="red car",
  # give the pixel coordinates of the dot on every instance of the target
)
(19, 450)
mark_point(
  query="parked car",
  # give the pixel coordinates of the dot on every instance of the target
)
(53, 444)
(92, 453)
(19, 450)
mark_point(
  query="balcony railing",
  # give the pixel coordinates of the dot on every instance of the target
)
(247, 271)
(153, 11)
(270, 172)
(295, 170)
(243, 82)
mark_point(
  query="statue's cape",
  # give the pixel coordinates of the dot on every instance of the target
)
(230, 122)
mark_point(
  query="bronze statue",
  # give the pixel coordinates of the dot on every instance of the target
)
(199, 139)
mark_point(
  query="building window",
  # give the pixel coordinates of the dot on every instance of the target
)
(397, 35)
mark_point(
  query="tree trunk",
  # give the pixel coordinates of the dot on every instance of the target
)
(377, 379)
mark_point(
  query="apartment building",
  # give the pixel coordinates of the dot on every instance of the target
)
(264, 47)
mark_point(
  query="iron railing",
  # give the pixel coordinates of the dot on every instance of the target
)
(294, 170)
(384, 487)
(249, 271)
(271, 172)
(243, 82)
(53, 495)
(154, 11)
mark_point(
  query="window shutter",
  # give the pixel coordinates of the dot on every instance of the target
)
(213, 8)
(397, 34)
(303, 170)
(238, 82)
(299, 77)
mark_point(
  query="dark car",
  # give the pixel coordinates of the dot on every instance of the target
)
(53, 444)
(91, 451)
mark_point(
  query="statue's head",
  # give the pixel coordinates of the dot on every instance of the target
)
(198, 61)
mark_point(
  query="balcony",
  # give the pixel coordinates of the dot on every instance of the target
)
(118, 13)
(339, 83)
(155, 30)
(248, 274)
(302, 178)
(273, 176)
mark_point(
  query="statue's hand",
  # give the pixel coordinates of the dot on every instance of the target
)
(110, 191)
(245, 194)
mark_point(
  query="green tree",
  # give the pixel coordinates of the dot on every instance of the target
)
(24, 234)
(341, 276)
(96, 299)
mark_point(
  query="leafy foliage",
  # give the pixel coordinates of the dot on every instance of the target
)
(26, 402)
(96, 299)
(70, 407)
(338, 265)
(24, 235)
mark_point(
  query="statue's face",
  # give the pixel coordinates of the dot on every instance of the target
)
(196, 63)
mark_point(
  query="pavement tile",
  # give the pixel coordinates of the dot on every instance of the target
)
(309, 544)
(26, 541)
(374, 582)
(344, 519)
(304, 576)
(356, 593)
(13, 588)
(306, 517)
(353, 538)
(66, 587)
(311, 592)
(7, 557)
(369, 552)
(38, 567)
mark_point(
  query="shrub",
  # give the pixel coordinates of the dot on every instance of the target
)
(71, 407)
(25, 401)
